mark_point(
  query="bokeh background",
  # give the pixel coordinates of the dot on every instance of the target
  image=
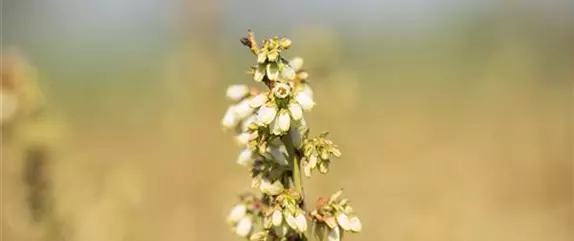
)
(454, 117)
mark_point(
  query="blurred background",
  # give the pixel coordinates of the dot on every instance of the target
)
(454, 117)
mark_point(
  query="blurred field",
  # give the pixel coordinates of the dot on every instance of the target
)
(463, 132)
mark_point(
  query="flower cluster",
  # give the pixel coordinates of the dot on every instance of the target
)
(317, 154)
(333, 216)
(273, 135)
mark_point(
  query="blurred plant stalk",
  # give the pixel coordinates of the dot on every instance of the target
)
(29, 137)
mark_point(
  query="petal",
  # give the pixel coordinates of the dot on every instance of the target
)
(291, 221)
(306, 88)
(288, 73)
(296, 63)
(284, 121)
(258, 100)
(301, 222)
(343, 221)
(307, 170)
(272, 71)
(259, 73)
(313, 161)
(355, 224)
(236, 92)
(230, 119)
(245, 157)
(261, 57)
(277, 217)
(275, 129)
(266, 114)
(244, 226)
(237, 213)
(285, 43)
(243, 110)
(296, 111)
(305, 101)
(334, 234)
(243, 138)
(271, 188)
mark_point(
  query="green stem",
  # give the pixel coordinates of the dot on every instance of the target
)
(296, 166)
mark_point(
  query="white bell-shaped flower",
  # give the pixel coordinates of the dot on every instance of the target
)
(258, 100)
(237, 92)
(295, 110)
(237, 213)
(306, 88)
(291, 221)
(343, 221)
(277, 217)
(243, 109)
(229, 121)
(284, 121)
(301, 222)
(244, 226)
(296, 63)
(288, 73)
(305, 101)
(245, 157)
(267, 113)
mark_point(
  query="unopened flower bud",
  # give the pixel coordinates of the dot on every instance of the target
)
(285, 43)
